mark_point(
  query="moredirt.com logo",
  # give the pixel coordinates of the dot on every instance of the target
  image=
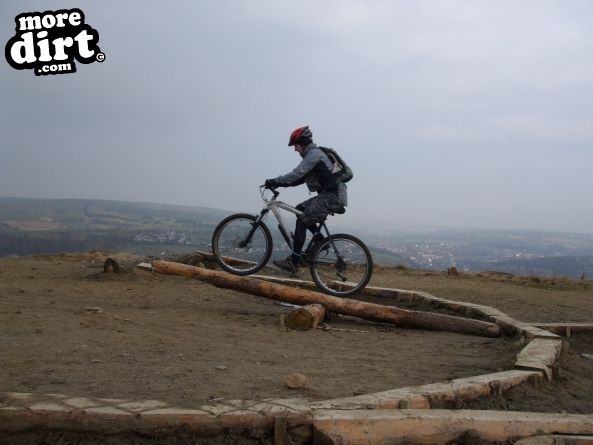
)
(49, 42)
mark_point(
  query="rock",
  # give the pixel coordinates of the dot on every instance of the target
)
(94, 309)
(111, 265)
(296, 381)
(220, 368)
(587, 356)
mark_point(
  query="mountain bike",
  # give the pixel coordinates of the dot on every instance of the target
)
(340, 264)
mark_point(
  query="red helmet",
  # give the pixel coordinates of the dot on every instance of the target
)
(300, 133)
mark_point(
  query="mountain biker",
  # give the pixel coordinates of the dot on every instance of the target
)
(315, 170)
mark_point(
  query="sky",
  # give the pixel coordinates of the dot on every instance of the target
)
(451, 113)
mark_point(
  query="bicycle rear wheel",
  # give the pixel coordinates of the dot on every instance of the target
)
(341, 265)
(241, 246)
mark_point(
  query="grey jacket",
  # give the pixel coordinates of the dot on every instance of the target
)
(314, 167)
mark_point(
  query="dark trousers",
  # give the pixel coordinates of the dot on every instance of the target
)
(315, 210)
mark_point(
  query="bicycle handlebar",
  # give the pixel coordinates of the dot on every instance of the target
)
(272, 189)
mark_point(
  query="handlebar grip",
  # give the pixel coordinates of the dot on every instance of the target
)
(272, 189)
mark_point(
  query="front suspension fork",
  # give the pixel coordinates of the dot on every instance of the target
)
(254, 225)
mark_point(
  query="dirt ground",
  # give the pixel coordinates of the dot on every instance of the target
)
(185, 342)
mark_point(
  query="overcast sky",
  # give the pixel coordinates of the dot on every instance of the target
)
(451, 113)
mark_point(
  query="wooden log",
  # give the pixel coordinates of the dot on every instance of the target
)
(345, 306)
(436, 426)
(306, 317)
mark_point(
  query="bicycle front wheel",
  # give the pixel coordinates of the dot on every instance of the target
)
(341, 265)
(241, 245)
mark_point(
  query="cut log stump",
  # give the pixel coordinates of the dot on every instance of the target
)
(306, 317)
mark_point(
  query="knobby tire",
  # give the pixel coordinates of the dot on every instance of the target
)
(226, 244)
(335, 278)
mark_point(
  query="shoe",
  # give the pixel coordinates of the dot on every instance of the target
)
(286, 265)
(304, 262)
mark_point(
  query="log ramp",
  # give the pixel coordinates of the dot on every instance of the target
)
(412, 415)
(345, 306)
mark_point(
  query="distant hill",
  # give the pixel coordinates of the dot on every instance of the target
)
(31, 214)
(570, 266)
(32, 226)
(29, 226)
(385, 257)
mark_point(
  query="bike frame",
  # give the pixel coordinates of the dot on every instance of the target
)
(273, 205)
